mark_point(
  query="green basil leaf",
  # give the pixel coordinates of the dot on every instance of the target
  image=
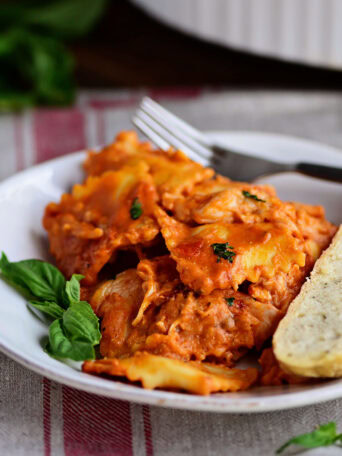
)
(48, 307)
(73, 289)
(36, 66)
(81, 323)
(37, 279)
(66, 18)
(76, 330)
(324, 435)
(61, 346)
(37, 69)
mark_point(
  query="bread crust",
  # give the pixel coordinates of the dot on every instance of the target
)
(308, 341)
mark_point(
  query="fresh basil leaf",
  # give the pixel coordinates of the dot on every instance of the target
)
(76, 329)
(62, 346)
(15, 99)
(73, 289)
(75, 334)
(49, 308)
(36, 278)
(66, 18)
(38, 69)
(324, 435)
(81, 323)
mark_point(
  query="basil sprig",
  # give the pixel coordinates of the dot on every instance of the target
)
(75, 330)
(36, 65)
(324, 435)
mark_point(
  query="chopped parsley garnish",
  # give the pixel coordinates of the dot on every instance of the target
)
(230, 301)
(136, 209)
(251, 196)
(224, 251)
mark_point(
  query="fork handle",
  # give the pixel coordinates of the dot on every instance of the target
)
(324, 172)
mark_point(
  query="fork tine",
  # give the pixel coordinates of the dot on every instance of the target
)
(147, 131)
(179, 123)
(175, 132)
(159, 130)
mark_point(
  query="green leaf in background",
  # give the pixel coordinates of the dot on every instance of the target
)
(324, 435)
(66, 18)
(37, 279)
(73, 289)
(36, 67)
(61, 18)
(49, 308)
(36, 70)
(62, 346)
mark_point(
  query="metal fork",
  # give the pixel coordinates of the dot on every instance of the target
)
(165, 129)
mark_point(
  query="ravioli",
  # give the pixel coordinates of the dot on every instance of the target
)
(159, 372)
(173, 173)
(89, 225)
(209, 266)
(257, 250)
(222, 200)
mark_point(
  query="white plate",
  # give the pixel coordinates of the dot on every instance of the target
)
(301, 31)
(22, 200)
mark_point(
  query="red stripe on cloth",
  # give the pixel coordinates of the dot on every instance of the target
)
(147, 430)
(174, 92)
(113, 103)
(58, 132)
(18, 141)
(47, 416)
(95, 425)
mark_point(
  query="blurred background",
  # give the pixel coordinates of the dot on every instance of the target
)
(51, 48)
(74, 71)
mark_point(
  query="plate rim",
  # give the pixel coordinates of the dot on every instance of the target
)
(180, 401)
(161, 398)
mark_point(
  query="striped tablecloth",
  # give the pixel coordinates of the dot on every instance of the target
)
(40, 417)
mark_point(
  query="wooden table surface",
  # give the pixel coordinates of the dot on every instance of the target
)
(128, 48)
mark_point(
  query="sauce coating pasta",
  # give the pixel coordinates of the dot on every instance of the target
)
(213, 265)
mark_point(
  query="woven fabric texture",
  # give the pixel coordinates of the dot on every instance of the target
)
(40, 417)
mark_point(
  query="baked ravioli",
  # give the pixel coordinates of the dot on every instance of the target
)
(187, 270)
